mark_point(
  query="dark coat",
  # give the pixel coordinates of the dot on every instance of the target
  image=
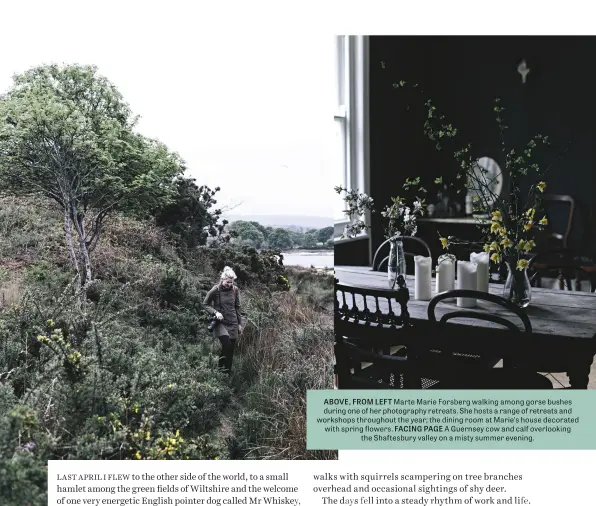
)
(227, 302)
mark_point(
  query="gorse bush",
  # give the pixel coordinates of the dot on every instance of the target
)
(250, 265)
(190, 216)
(23, 476)
(130, 371)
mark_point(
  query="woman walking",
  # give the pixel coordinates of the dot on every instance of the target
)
(223, 303)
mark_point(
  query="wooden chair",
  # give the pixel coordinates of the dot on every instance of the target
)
(359, 310)
(589, 273)
(470, 313)
(379, 261)
(554, 258)
(484, 353)
(515, 369)
(561, 236)
(565, 265)
(588, 263)
(352, 302)
(349, 360)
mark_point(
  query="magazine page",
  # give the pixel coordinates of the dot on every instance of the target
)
(464, 308)
(214, 293)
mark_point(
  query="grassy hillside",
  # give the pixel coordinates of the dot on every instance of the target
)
(132, 373)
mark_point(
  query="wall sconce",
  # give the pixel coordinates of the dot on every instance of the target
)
(523, 69)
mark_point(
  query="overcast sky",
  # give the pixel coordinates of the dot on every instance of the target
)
(249, 111)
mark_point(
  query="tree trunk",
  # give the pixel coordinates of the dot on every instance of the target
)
(70, 245)
(83, 248)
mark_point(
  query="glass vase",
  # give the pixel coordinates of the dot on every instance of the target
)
(396, 265)
(517, 287)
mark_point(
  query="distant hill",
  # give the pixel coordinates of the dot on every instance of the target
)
(281, 221)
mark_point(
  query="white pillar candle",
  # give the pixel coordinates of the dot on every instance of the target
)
(445, 273)
(482, 272)
(423, 278)
(466, 280)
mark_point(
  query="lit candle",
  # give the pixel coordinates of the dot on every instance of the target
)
(482, 272)
(423, 278)
(466, 280)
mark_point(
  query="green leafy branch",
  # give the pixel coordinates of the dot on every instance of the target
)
(513, 222)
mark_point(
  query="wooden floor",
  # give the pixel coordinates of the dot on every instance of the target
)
(560, 380)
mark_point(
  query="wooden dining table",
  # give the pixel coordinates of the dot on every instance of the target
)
(563, 322)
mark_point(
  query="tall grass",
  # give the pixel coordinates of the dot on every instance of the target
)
(287, 349)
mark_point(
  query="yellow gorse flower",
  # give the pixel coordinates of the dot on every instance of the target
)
(528, 225)
(522, 264)
(543, 221)
(444, 242)
(529, 245)
(503, 232)
(486, 247)
(497, 216)
(495, 257)
(530, 213)
(521, 244)
(494, 246)
(495, 226)
(541, 186)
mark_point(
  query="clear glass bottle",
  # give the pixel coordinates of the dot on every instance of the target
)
(397, 262)
(517, 287)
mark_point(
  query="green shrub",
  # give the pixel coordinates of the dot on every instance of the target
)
(250, 265)
(23, 446)
(47, 275)
(89, 378)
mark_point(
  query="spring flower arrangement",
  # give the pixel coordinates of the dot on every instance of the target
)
(400, 219)
(513, 237)
(357, 205)
(515, 219)
(510, 222)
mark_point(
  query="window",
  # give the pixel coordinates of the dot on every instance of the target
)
(351, 119)
(341, 122)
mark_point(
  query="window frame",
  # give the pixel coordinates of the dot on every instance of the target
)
(352, 110)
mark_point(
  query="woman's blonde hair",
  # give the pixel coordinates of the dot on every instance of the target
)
(228, 273)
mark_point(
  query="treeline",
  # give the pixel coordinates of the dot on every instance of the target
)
(254, 234)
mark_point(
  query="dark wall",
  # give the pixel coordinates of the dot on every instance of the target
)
(463, 75)
(351, 253)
